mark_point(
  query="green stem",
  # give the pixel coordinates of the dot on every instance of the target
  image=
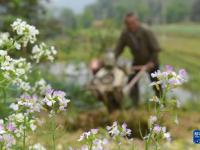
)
(91, 144)
(24, 134)
(164, 94)
(2, 146)
(156, 147)
(146, 145)
(53, 128)
(119, 148)
(4, 95)
(148, 140)
(18, 39)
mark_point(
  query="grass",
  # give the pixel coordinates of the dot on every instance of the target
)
(181, 134)
(184, 30)
(181, 49)
(183, 52)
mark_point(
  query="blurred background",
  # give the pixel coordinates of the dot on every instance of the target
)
(85, 29)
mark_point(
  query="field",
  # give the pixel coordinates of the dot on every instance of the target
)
(181, 48)
(180, 44)
(58, 90)
(164, 123)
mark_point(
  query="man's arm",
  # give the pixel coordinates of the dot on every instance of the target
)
(154, 47)
(120, 45)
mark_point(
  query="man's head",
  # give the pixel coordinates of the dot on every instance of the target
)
(131, 21)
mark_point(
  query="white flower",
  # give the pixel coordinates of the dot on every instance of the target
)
(43, 51)
(116, 130)
(1, 121)
(17, 45)
(125, 131)
(85, 135)
(19, 117)
(94, 131)
(9, 141)
(37, 146)
(3, 53)
(164, 129)
(15, 69)
(28, 103)
(157, 129)
(161, 131)
(169, 78)
(85, 147)
(2, 130)
(25, 86)
(33, 126)
(154, 99)
(19, 130)
(156, 74)
(88, 134)
(167, 136)
(27, 32)
(4, 38)
(49, 103)
(152, 120)
(56, 97)
(113, 130)
(15, 107)
(41, 86)
(99, 144)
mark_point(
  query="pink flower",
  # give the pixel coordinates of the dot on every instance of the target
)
(167, 135)
(11, 127)
(157, 129)
(182, 73)
(169, 68)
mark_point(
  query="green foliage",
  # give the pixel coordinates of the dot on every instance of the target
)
(155, 11)
(30, 10)
(4, 110)
(195, 15)
(182, 50)
(178, 10)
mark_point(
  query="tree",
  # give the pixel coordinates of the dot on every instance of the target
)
(150, 11)
(68, 18)
(195, 14)
(178, 10)
(31, 10)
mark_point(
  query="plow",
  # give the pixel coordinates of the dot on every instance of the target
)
(112, 92)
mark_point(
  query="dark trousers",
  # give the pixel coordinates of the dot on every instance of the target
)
(134, 92)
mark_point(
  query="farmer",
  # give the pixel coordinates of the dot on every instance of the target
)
(144, 48)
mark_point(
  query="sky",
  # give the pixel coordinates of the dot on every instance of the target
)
(76, 5)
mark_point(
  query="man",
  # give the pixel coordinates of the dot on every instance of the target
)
(144, 48)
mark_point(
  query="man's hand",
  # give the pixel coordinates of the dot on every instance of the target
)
(150, 65)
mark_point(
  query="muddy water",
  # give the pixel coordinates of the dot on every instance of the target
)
(79, 74)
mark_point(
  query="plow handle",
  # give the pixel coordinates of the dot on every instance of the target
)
(142, 69)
